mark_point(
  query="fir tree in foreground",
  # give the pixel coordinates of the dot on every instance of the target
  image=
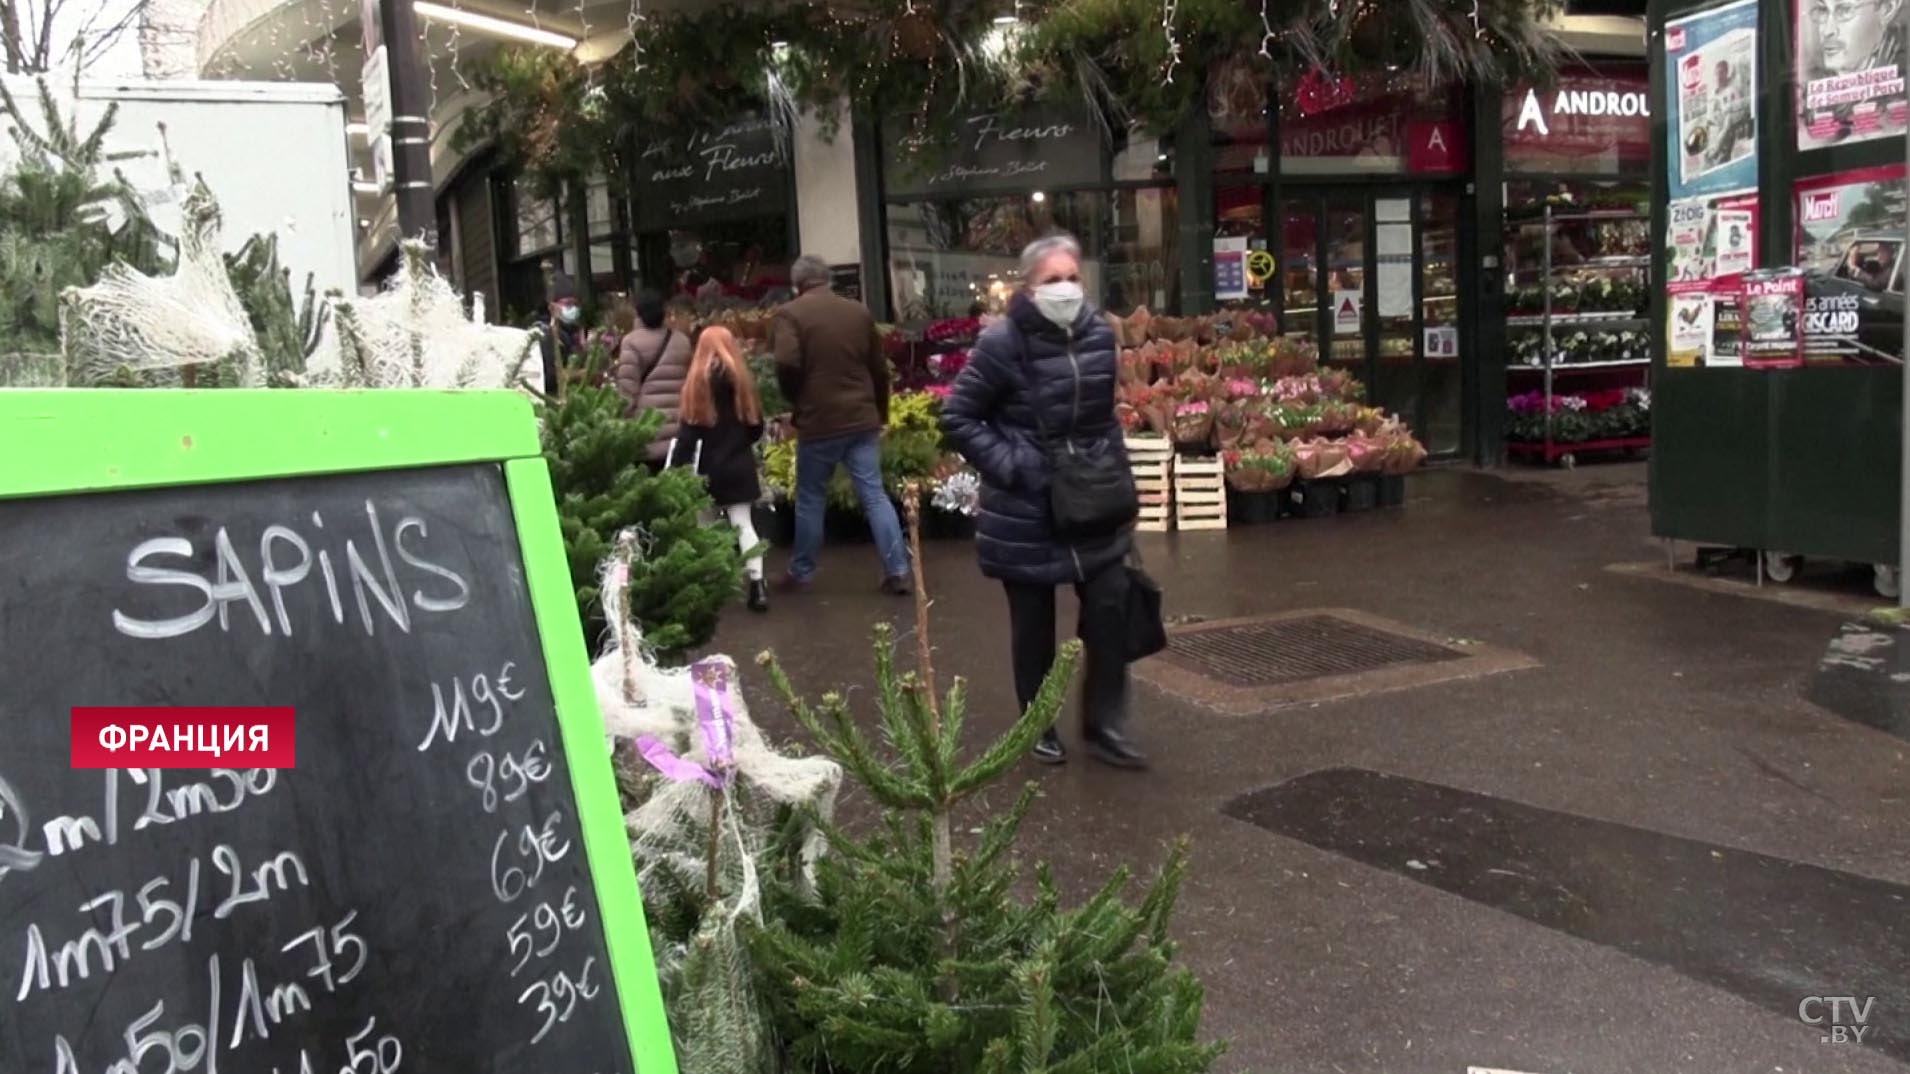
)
(916, 956)
(686, 571)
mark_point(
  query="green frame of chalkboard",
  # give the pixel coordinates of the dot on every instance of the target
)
(64, 442)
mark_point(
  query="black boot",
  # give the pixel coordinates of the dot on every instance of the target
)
(758, 595)
(1113, 748)
(1049, 749)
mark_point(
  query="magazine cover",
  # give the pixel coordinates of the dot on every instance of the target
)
(1772, 307)
(1849, 69)
(1712, 60)
(1850, 237)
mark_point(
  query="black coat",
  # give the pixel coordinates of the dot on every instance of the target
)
(728, 462)
(1022, 367)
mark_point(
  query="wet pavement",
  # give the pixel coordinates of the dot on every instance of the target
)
(1704, 847)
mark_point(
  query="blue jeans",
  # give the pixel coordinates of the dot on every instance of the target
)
(816, 462)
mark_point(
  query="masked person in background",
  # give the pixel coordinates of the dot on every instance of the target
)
(1042, 380)
(565, 337)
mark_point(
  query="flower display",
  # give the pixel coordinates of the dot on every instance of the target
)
(960, 493)
(1610, 414)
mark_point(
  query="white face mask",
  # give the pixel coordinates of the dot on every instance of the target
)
(1060, 302)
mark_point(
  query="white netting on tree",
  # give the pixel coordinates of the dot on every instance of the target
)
(416, 334)
(703, 828)
(132, 323)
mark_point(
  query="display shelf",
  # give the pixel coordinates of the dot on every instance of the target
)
(1550, 323)
(1553, 451)
(1566, 320)
(1564, 367)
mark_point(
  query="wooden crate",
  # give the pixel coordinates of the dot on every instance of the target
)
(1153, 460)
(1200, 494)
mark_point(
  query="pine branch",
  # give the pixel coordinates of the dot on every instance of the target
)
(1021, 738)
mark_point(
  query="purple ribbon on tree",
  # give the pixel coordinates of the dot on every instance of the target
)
(710, 681)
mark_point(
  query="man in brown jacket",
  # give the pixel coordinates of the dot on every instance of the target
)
(830, 364)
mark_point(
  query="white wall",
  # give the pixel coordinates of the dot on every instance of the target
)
(274, 155)
(826, 192)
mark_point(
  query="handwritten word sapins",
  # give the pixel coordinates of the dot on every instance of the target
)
(285, 560)
(162, 919)
(446, 723)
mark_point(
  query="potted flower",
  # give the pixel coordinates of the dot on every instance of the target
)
(1255, 477)
(1193, 425)
(774, 516)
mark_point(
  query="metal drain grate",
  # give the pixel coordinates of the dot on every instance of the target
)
(1270, 652)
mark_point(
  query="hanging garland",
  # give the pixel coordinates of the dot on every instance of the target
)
(1134, 63)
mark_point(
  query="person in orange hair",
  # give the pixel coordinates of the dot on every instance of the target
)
(721, 419)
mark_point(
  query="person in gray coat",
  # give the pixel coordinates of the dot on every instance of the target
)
(653, 361)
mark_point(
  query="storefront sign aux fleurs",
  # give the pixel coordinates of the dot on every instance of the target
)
(996, 152)
(738, 170)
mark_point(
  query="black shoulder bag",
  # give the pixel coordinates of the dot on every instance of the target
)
(1144, 628)
(1089, 494)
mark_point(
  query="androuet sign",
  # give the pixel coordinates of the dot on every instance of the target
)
(733, 172)
(1607, 118)
(995, 152)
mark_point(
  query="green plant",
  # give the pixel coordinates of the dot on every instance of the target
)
(685, 572)
(288, 329)
(56, 230)
(916, 956)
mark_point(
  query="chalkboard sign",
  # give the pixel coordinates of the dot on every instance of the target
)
(733, 172)
(442, 882)
(994, 152)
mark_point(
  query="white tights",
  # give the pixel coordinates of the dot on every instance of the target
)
(746, 539)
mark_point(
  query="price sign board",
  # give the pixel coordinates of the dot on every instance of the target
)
(440, 881)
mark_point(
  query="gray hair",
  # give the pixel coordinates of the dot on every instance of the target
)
(1033, 254)
(808, 271)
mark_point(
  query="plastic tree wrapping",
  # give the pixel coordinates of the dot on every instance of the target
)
(721, 807)
(416, 334)
(916, 955)
(130, 325)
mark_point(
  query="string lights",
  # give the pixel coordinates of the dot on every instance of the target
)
(1266, 32)
(1168, 10)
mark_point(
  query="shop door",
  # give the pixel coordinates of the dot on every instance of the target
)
(1372, 275)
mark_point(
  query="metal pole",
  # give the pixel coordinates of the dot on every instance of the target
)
(410, 124)
(1903, 432)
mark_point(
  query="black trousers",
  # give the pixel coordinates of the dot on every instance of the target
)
(1031, 628)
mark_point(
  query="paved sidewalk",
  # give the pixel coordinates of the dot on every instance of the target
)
(1640, 855)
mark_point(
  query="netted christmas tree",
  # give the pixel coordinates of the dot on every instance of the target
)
(919, 956)
(685, 570)
(710, 806)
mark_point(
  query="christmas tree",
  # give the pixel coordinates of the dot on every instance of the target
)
(685, 570)
(916, 956)
(57, 231)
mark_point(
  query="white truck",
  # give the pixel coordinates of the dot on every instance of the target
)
(275, 154)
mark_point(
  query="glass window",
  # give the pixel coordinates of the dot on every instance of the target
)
(1346, 280)
(602, 211)
(1299, 267)
(1141, 157)
(1241, 212)
(1237, 113)
(1441, 385)
(1143, 250)
(734, 260)
(958, 258)
(536, 218)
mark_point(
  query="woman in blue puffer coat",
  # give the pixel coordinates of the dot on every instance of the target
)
(1046, 372)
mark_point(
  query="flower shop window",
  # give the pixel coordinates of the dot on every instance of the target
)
(961, 258)
(1240, 118)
